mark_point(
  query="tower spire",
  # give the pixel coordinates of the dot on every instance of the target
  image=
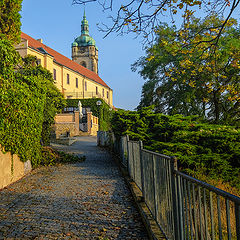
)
(84, 26)
(84, 50)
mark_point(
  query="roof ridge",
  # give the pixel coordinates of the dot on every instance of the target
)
(65, 61)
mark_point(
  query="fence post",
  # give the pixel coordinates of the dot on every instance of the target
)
(237, 216)
(175, 204)
(98, 140)
(141, 166)
(127, 137)
(121, 149)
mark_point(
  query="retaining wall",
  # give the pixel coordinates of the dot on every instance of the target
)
(12, 169)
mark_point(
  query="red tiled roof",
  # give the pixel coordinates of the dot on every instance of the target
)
(59, 58)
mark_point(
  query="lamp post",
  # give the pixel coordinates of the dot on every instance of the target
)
(98, 103)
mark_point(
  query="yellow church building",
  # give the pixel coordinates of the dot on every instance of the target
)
(77, 78)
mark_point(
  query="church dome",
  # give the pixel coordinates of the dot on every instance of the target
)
(74, 44)
(85, 39)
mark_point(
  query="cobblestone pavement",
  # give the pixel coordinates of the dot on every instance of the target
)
(87, 200)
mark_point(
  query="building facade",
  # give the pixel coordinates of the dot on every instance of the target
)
(72, 78)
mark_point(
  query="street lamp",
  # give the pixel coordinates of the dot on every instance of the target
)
(99, 103)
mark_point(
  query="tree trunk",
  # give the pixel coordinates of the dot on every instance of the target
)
(216, 106)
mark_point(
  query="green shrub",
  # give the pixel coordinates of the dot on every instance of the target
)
(103, 112)
(10, 24)
(209, 149)
(52, 157)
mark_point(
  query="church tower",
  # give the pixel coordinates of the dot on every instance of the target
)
(84, 50)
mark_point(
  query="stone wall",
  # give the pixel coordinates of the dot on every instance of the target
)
(64, 117)
(12, 169)
(61, 129)
(66, 123)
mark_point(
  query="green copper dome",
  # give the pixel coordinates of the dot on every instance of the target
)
(74, 44)
(85, 39)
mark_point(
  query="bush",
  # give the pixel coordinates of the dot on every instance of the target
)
(52, 157)
(209, 149)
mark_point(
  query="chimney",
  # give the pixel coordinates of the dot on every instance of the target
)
(40, 40)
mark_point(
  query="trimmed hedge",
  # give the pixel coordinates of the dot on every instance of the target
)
(103, 111)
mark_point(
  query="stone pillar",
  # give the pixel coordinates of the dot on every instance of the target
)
(89, 122)
(76, 120)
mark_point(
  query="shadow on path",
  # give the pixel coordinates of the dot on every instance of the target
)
(86, 200)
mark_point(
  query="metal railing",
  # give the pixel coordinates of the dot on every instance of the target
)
(86, 95)
(82, 95)
(183, 207)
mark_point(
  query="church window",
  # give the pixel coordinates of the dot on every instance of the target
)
(68, 80)
(76, 82)
(85, 86)
(103, 92)
(97, 90)
(54, 74)
(83, 64)
(107, 94)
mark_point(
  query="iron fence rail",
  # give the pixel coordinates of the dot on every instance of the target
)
(206, 212)
(184, 207)
(85, 95)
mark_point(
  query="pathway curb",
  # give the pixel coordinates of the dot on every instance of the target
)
(154, 231)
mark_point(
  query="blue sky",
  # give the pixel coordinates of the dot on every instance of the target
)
(59, 22)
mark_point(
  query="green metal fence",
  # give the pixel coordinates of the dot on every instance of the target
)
(183, 207)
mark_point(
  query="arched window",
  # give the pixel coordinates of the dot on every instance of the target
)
(83, 64)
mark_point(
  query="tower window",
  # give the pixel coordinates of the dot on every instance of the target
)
(76, 82)
(97, 90)
(83, 64)
(107, 94)
(85, 86)
(54, 74)
(68, 80)
(103, 92)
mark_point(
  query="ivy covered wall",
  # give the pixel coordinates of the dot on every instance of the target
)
(28, 103)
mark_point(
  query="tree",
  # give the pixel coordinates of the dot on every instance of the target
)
(143, 16)
(10, 23)
(195, 80)
(148, 95)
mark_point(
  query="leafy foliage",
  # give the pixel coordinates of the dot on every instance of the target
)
(10, 19)
(54, 101)
(193, 80)
(144, 16)
(103, 112)
(26, 103)
(52, 157)
(209, 149)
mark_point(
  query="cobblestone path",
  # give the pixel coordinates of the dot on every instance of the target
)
(87, 200)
